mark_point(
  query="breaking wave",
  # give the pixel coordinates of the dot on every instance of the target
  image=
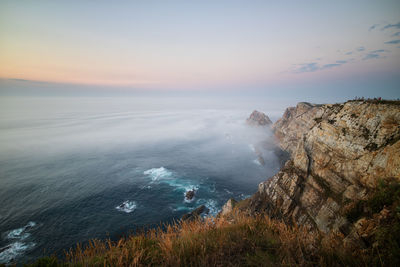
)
(127, 206)
(19, 246)
(165, 176)
(158, 173)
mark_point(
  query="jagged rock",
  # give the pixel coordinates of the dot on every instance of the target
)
(337, 154)
(189, 195)
(258, 119)
(195, 214)
(228, 206)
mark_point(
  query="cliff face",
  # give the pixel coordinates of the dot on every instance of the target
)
(338, 154)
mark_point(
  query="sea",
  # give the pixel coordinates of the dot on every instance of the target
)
(74, 169)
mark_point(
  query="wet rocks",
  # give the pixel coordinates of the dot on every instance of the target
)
(189, 195)
(195, 214)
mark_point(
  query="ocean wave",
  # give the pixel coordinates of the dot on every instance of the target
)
(127, 206)
(158, 173)
(13, 250)
(165, 176)
(227, 191)
(211, 205)
(186, 200)
(181, 208)
(16, 248)
(20, 233)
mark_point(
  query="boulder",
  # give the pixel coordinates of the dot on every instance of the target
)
(189, 195)
(195, 214)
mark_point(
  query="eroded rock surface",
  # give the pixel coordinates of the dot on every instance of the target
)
(228, 206)
(338, 153)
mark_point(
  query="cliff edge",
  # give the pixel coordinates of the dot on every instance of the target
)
(338, 155)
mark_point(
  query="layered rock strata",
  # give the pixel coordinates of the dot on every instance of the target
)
(338, 153)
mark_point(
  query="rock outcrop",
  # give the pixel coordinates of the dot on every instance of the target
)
(228, 207)
(258, 119)
(195, 214)
(189, 195)
(338, 153)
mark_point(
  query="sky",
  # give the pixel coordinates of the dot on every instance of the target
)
(329, 49)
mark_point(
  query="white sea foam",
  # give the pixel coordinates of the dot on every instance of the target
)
(20, 233)
(227, 191)
(165, 176)
(13, 250)
(127, 206)
(158, 173)
(180, 208)
(211, 205)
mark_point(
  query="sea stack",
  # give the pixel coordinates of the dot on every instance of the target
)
(189, 195)
(258, 118)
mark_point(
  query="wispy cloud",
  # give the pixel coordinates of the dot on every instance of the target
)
(329, 66)
(393, 42)
(389, 26)
(375, 54)
(373, 27)
(314, 66)
(371, 56)
(307, 67)
(19, 80)
(379, 51)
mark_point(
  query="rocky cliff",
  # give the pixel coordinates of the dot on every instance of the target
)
(338, 153)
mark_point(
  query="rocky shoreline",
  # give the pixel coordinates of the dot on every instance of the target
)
(338, 155)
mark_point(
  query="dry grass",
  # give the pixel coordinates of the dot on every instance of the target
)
(244, 241)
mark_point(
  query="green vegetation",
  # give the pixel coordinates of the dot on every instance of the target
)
(387, 194)
(376, 101)
(381, 215)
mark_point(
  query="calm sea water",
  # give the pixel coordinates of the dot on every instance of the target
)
(73, 169)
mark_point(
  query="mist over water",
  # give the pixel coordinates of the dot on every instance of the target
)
(73, 169)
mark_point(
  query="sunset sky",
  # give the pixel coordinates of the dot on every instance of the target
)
(190, 46)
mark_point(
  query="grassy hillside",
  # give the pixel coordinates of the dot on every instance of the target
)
(248, 241)
(241, 240)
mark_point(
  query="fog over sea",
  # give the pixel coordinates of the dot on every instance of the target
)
(77, 168)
